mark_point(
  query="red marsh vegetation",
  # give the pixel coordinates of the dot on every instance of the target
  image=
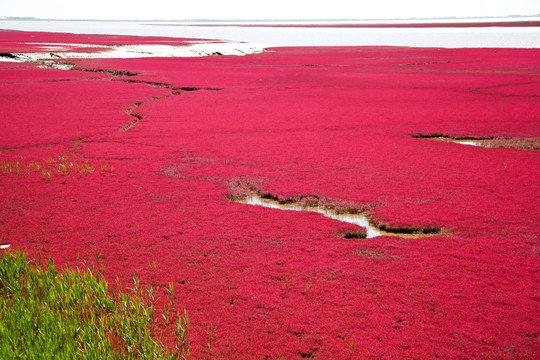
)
(143, 170)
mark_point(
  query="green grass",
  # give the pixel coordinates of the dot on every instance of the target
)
(72, 314)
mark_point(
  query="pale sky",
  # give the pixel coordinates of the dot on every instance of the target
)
(268, 9)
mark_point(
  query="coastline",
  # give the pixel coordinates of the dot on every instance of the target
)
(419, 25)
(275, 35)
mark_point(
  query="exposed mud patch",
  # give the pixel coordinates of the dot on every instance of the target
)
(196, 89)
(131, 111)
(370, 253)
(80, 51)
(487, 142)
(428, 63)
(43, 60)
(8, 56)
(518, 89)
(58, 65)
(136, 116)
(117, 73)
(59, 54)
(358, 217)
(149, 83)
(358, 234)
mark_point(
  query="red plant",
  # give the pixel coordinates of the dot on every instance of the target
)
(330, 123)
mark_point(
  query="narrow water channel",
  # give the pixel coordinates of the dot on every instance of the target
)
(357, 219)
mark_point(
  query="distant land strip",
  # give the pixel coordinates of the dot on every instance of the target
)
(407, 25)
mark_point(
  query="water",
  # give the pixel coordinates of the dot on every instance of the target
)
(359, 220)
(503, 37)
(356, 219)
(472, 143)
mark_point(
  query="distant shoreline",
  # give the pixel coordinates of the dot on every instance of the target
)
(450, 33)
(420, 20)
(369, 26)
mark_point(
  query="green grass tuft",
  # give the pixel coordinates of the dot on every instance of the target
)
(71, 314)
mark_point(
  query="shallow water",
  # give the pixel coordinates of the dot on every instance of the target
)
(509, 37)
(356, 219)
(471, 143)
(359, 220)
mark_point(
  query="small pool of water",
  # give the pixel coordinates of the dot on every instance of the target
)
(356, 219)
(472, 143)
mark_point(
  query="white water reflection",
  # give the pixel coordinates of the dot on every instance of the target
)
(480, 142)
(472, 143)
(503, 37)
(356, 219)
(5, 246)
(359, 220)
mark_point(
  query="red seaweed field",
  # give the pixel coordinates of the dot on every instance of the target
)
(141, 161)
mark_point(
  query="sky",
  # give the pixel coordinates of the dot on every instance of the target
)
(266, 9)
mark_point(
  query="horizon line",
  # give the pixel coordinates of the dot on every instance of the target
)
(31, 18)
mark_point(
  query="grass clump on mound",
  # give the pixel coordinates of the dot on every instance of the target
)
(71, 314)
